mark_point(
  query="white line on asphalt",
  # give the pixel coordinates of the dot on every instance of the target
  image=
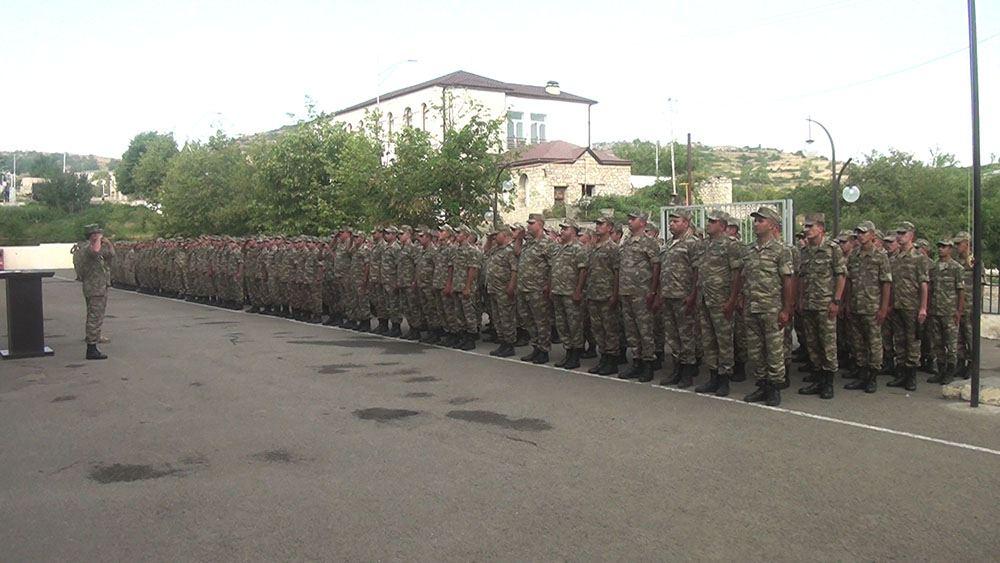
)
(820, 417)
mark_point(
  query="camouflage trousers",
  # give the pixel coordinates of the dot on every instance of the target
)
(867, 340)
(765, 346)
(346, 296)
(360, 308)
(330, 296)
(965, 336)
(449, 316)
(431, 308)
(503, 317)
(569, 320)
(536, 313)
(638, 320)
(905, 343)
(888, 342)
(96, 306)
(378, 300)
(716, 338)
(679, 326)
(410, 297)
(308, 297)
(275, 291)
(467, 312)
(820, 339)
(605, 324)
(393, 303)
(257, 291)
(944, 335)
(659, 332)
(739, 338)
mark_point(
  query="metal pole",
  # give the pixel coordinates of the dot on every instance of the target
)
(690, 181)
(657, 160)
(977, 215)
(836, 179)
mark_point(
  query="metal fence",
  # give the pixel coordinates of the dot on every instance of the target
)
(991, 292)
(741, 211)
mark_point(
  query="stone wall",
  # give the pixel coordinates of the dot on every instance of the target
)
(717, 189)
(534, 186)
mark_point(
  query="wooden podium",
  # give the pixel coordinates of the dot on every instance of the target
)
(25, 324)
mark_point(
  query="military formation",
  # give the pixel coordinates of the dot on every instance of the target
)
(863, 303)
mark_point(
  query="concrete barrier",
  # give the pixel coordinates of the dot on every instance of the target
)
(54, 256)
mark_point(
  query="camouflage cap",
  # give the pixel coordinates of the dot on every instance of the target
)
(91, 229)
(945, 242)
(536, 217)
(905, 227)
(390, 230)
(568, 223)
(423, 230)
(864, 227)
(603, 219)
(517, 227)
(889, 237)
(813, 218)
(961, 236)
(733, 222)
(681, 212)
(767, 213)
(448, 229)
(718, 215)
(844, 236)
(405, 229)
(638, 214)
(922, 243)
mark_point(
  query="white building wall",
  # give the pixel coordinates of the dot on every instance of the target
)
(564, 121)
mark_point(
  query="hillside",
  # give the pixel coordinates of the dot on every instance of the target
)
(35, 163)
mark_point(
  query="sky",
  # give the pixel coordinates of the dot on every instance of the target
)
(85, 77)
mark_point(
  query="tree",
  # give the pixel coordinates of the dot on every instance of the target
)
(144, 164)
(68, 192)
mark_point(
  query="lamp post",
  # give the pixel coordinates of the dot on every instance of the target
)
(833, 173)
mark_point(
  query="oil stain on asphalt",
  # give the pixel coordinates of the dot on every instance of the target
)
(389, 347)
(501, 420)
(462, 400)
(418, 395)
(126, 473)
(422, 379)
(274, 456)
(332, 369)
(64, 398)
(380, 414)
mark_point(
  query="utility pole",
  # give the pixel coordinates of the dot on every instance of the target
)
(690, 189)
(657, 159)
(977, 214)
(673, 170)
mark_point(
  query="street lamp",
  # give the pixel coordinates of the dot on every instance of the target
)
(833, 172)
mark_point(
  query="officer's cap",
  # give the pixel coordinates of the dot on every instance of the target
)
(765, 212)
(681, 213)
(905, 227)
(638, 214)
(961, 236)
(864, 227)
(813, 218)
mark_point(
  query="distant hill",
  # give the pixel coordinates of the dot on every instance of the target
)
(35, 163)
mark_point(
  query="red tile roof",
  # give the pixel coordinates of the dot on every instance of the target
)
(475, 82)
(559, 152)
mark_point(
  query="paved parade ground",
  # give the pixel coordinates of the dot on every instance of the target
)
(218, 435)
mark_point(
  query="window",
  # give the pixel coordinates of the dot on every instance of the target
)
(350, 128)
(407, 118)
(586, 190)
(538, 128)
(559, 194)
(423, 116)
(515, 129)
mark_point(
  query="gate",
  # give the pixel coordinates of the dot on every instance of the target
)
(739, 210)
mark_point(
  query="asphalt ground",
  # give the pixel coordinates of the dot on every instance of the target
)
(218, 435)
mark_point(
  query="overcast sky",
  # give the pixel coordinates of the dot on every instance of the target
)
(85, 76)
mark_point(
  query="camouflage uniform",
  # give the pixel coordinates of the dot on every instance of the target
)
(500, 265)
(466, 257)
(605, 320)
(820, 267)
(638, 254)
(406, 272)
(389, 271)
(442, 275)
(95, 272)
(868, 270)
(430, 304)
(532, 278)
(765, 267)
(566, 262)
(360, 257)
(677, 280)
(720, 262)
(947, 283)
(909, 272)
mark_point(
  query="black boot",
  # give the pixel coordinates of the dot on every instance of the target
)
(449, 340)
(503, 351)
(611, 366)
(811, 378)
(658, 362)
(947, 374)
(675, 375)
(94, 354)
(522, 338)
(383, 327)
(646, 374)
(590, 351)
(826, 385)
(861, 382)
(600, 365)
(541, 358)
(468, 342)
(634, 372)
(531, 357)
(432, 336)
(772, 395)
(900, 380)
(814, 387)
(807, 367)
(723, 389)
(910, 384)
(711, 385)
(555, 336)
(687, 376)
(623, 356)
(572, 360)
(739, 372)
(871, 383)
(758, 394)
(396, 331)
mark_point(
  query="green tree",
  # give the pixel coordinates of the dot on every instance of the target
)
(144, 164)
(68, 192)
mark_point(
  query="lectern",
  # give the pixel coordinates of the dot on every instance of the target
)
(25, 324)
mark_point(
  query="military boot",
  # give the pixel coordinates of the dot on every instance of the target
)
(675, 375)
(910, 384)
(807, 367)
(900, 380)
(535, 350)
(600, 365)
(611, 366)
(541, 358)
(383, 327)
(871, 381)
(688, 371)
(94, 354)
(647, 372)
(396, 331)
(739, 372)
(815, 385)
(468, 342)
(623, 357)
(772, 395)
(522, 338)
(758, 394)
(572, 360)
(711, 385)
(947, 374)
(634, 372)
(826, 385)
(861, 382)
(503, 351)
(723, 386)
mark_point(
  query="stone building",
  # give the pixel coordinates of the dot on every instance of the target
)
(545, 175)
(714, 190)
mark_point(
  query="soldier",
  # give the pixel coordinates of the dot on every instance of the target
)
(425, 273)
(638, 280)
(330, 283)
(890, 245)
(342, 277)
(409, 297)
(501, 286)
(822, 276)
(442, 283)
(739, 328)
(390, 281)
(963, 247)
(568, 278)
(678, 291)
(602, 297)
(947, 305)
(467, 260)
(652, 231)
(910, 276)
(533, 288)
(718, 291)
(376, 290)
(927, 360)
(95, 273)
(869, 289)
(769, 295)
(361, 281)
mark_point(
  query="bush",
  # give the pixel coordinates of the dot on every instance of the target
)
(36, 224)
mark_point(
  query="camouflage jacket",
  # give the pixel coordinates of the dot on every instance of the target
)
(500, 265)
(720, 261)
(425, 266)
(533, 264)
(565, 263)
(603, 264)
(764, 268)
(638, 254)
(947, 280)
(867, 270)
(442, 263)
(677, 267)
(95, 269)
(909, 270)
(819, 267)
